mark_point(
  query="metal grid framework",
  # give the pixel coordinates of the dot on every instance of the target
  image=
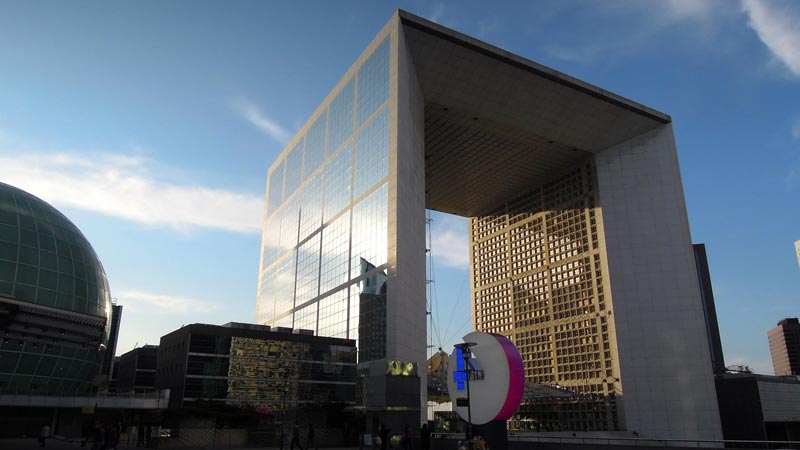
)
(542, 251)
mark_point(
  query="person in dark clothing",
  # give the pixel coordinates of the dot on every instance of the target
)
(296, 437)
(310, 437)
(425, 437)
(98, 436)
(405, 441)
(112, 437)
(86, 432)
(140, 435)
(44, 434)
(384, 433)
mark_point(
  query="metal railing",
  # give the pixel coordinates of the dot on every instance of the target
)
(638, 441)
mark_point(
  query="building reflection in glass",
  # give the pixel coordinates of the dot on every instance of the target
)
(372, 318)
(258, 368)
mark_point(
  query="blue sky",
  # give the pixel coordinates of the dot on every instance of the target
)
(151, 125)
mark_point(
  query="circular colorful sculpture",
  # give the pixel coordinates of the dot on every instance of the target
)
(496, 378)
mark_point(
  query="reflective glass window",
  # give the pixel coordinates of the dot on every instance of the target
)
(270, 242)
(306, 318)
(311, 206)
(337, 182)
(371, 161)
(265, 307)
(371, 297)
(373, 81)
(307, 286)
(294, 169)
(369, 232)
(352, 332)
(335, 253)
(286, 322)
(290, 218)
(275, 194)
(315, 144)
(340, 117)
(284, 284)
(333, 315)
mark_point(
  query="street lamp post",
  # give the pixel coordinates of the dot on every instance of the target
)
(466, 355)
(284, 412)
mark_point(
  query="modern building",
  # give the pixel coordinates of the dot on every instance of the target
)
(580, 244)
(54, 301)
(784, 345)
(137, 370)
(107, 368)
(709, 309)
(253, 366)
(759, 407)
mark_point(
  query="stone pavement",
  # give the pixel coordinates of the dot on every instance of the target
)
(56, 443)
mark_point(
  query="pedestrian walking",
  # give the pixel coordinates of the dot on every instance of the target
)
(405, 441)
(140, 435)
(384, 435)
(425, 437)
(44, 433)
(310, 438)
(296, 437)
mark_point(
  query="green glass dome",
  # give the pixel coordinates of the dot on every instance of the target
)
(54, 300)
(45, 259)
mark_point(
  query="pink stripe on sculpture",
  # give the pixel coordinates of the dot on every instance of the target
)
(516, 378)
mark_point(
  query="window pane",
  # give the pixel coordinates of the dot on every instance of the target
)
(307, 270)
(337, 182)
(294, 169)
(335, 253)
(315, 144)
(372, 154)
(311, 209)
(275, 194)
(373, 81)
(369, 231)
(341, 117)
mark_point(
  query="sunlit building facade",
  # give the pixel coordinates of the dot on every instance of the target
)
(580, 246)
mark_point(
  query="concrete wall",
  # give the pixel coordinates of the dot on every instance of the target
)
(665, 367)
(406, 316)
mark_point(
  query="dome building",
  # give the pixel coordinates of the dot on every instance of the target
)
(54, 300)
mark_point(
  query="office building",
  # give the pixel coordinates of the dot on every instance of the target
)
(107, 368)
(756, 407)
(253, 366)
(54, 301)
(784, 345)
(137, 370)
(580, 245)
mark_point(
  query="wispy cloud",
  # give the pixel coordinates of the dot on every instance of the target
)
(253, 114)
(796, 129)
(776, 24)
(487, 27)
(450, 245)
(644, 21)
(438, 13)
(123, 186)
(162, 303)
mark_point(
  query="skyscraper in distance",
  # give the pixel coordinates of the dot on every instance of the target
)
(580, 245)
(784, 346)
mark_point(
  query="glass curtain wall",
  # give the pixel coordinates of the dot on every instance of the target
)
(327, 210)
